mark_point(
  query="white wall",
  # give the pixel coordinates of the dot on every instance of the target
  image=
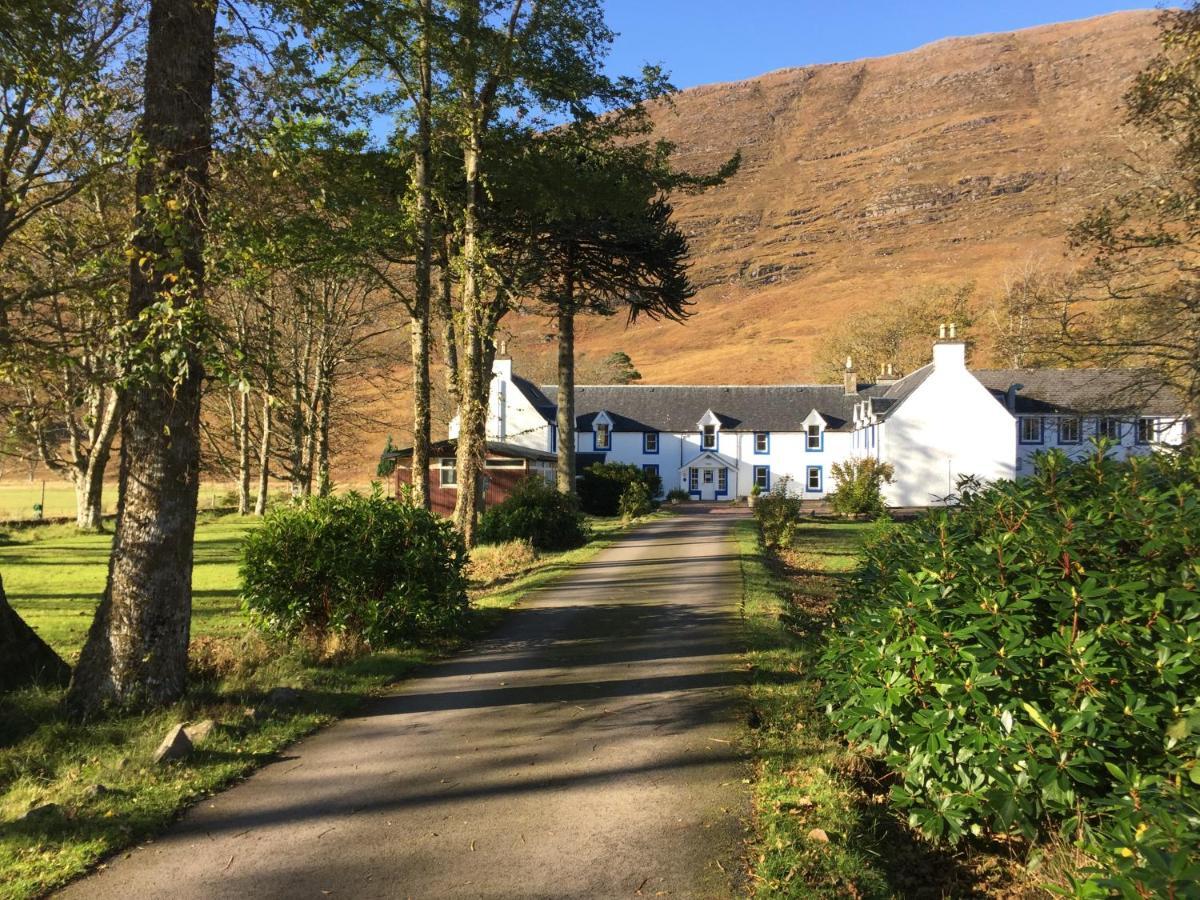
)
(948, 427)
(515, 421)
(1170, 433)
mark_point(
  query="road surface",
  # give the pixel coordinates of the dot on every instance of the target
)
(585, 749)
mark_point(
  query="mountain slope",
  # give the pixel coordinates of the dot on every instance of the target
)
(958, 161)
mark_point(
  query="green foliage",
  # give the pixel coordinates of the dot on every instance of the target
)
(387, 463)
(358, 565)
(859, 490)
(779, 515)
(1029, 659)
(603, 485)
(538, 513)
(677, 495)
(621, 368)
(636, 501)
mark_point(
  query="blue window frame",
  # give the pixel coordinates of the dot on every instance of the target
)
(762, 477)
(708, 437)
(1069, 430)
(814, 439)
(1109, 429)
(650, 442)
(652, 469)
(1031, 429)
(693, 480)
(601, 436)
(722, 482)
(813, 479)
(762, 442)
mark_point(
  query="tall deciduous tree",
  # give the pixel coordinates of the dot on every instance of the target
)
(1141, 303)
(136, 649)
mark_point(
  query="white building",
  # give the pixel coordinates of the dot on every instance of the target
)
(933, 426)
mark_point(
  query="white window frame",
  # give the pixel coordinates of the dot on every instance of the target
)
(764, 483)
(1151, 428)
(1105, 422)
(1078, 424)
(762, 442)
(1026, 422)
(693, 480)
(708, 437)
(603, 428)
(447, 472)
(809, 472)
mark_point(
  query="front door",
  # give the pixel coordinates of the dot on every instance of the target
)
(708, 484)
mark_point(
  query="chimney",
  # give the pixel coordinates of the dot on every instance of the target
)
(949, 350)
(850, 378)
(502, 365)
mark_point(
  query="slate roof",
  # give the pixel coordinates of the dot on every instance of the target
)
(540, 402)
(1113, 391)
(677, 408)
(495, 448)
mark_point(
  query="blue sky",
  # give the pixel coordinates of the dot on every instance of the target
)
(702, 41)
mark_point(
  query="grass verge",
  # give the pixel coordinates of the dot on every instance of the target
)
(822, 823)
(100, 790)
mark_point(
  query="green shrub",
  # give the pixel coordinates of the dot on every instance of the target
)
(538, 513)
(859, 490)
(364, 566)
(636, 501)
(1030, 658)
(602, 485)
(779, 515)
(677, 495)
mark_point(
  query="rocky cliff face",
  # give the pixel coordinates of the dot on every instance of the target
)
(962, 160)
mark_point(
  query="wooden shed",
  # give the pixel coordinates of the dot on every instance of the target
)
(504, 467)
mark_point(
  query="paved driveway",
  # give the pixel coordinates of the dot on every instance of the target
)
(584, 750)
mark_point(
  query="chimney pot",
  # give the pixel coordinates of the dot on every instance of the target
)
(953, 330)
(942, 331)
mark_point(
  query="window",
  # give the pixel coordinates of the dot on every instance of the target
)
(652, 469)
(722, 481)
(1145, 431)
(762, 477)
(650, 442)
(762, 442)
(812, 479)
(603, 436)
(813, 438)
(1068, 431)
(1031, 430)
(448, 476)
(708, 438)
(505, 464)
(693, 480)
(553, 438)
(1109, 429)
(708, 476)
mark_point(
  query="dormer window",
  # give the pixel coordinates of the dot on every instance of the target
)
(708, 437)
(813, 437)
(603, 436)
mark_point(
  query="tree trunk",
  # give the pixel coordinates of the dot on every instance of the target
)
(566, 388)
(243, 447)
(472, 408)
(264, 457)
(424, 271)
(324, 479)
(136, 649)
(446, 309)
(25, 659)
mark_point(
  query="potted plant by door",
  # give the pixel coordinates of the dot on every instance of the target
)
(755, 490)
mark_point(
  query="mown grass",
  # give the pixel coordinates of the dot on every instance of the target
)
(822, 823)
(105, 791)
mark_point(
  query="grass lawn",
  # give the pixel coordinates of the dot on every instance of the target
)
(823, 826)
(106, 792)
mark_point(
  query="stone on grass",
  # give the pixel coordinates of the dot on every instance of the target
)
(201, 731)
(819, 835)
(95, 791)
(176, 745)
